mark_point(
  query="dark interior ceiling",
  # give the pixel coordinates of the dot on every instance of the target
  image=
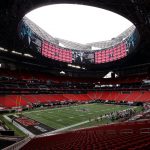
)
(137, 11)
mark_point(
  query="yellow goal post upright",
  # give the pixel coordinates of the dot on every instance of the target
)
(18, 102)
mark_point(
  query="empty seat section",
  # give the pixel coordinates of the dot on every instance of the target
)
(105, 95)
(30, 98)
(51, 97)
(121, 96)
(23, 100)
(97, 138)
(83, 97)
(144, 96)
(18, 100)
(112, 96)
(7, 101)
(94, 95)
(77, 97)
(132, 96)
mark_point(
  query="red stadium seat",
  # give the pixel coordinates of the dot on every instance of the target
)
(116, 136)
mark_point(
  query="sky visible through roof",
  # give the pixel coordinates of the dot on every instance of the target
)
(79, 23)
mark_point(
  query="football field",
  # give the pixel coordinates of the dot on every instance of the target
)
(66, 116)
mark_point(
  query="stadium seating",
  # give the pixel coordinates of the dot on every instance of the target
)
(23, 100)
(78, 97)
(144, 96)
(113, 95)
(94, 95)
(12, 101)
(23, 76)
(121, 136)
(121, 95)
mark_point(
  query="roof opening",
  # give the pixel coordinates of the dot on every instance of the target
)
(79, 23)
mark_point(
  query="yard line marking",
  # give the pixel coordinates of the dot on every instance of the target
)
(71, 117)
(72, 107)
(59, 120)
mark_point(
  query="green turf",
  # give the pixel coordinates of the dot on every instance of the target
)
(66, 116)
(100, 122)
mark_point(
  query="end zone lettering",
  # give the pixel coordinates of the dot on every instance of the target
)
(40, 128)
(26, 122)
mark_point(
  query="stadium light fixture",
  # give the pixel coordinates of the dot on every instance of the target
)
(74, 66)
(108, 75)
(15, 52)
(2, 49)
(96, 48)
(62, 45)
(146, 81)
(62, 72)
(28, 55)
